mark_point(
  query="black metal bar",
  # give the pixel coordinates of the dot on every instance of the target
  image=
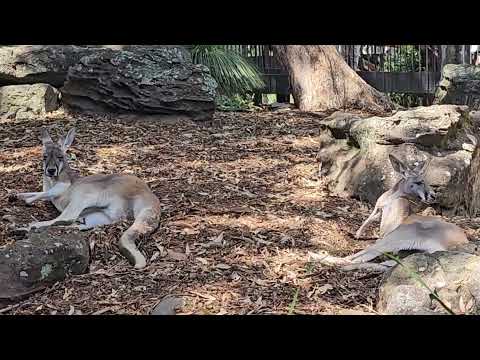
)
(395, 70)
(412, 58)
(420, 64)
(383, 71)
(426, 68)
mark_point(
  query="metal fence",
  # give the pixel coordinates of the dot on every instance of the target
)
(413, 69)
(264, 58)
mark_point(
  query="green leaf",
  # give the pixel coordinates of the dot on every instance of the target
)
(293, 304)
(233, 73)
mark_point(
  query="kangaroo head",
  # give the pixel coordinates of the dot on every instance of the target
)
(54, 154)
(413, 184)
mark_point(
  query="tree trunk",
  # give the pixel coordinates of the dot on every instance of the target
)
(453, 54)
(321, 80)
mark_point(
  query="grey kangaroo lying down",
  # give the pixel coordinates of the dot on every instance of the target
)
(400, 228)
(94, 200)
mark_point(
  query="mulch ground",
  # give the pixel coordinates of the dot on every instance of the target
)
(242, 205)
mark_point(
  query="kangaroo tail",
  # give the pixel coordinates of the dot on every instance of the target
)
(366, 255)
(146, 222)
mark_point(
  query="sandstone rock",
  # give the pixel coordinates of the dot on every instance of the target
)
(454, 275)
(23, 100)
(460, 84)
(354, 152)
(41, 259)
(31, 64)
(141, 79)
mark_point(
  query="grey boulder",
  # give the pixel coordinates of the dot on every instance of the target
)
(44, 257)
(141, 79)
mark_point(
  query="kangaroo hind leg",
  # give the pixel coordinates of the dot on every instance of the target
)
(145, 223)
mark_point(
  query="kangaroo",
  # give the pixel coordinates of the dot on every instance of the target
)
(94, 200)
(403, 230)
(411, 186)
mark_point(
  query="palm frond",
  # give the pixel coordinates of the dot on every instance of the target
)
(233, 73)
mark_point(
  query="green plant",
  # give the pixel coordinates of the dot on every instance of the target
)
(405, 59)
(414, 275)
(233, 73)
(405, 99)
(293, 304)
(309, 267)
(235, 102)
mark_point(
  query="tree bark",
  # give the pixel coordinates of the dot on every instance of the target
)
(322, 81)
(453, 54)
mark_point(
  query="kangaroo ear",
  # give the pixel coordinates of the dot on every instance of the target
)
(45, 136)
(67, 142)
(422, 167)
(419, 168)
(398, 166)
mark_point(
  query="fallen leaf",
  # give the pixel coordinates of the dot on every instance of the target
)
(218, 239)
(102, 311)
(202, 260)
(324, 214)
(155, 255)
(324, 288)
(176, 255)
(205, 296)
(352, 312)
(189, 231)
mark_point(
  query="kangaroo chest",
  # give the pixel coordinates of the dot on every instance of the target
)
(61, 200)
(393, 214)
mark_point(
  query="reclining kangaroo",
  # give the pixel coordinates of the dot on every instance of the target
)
(411, 186)
(400, 228)
(95, 200)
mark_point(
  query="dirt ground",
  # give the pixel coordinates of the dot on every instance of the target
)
(242, 205)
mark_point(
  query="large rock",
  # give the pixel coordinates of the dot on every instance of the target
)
(167, 306)
(460, 85)
(41, 259)
(28, 99)
(454, 275)
(141, 79)
(30, 64)
(354, 152)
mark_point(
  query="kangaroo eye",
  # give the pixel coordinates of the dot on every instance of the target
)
(419, 183)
